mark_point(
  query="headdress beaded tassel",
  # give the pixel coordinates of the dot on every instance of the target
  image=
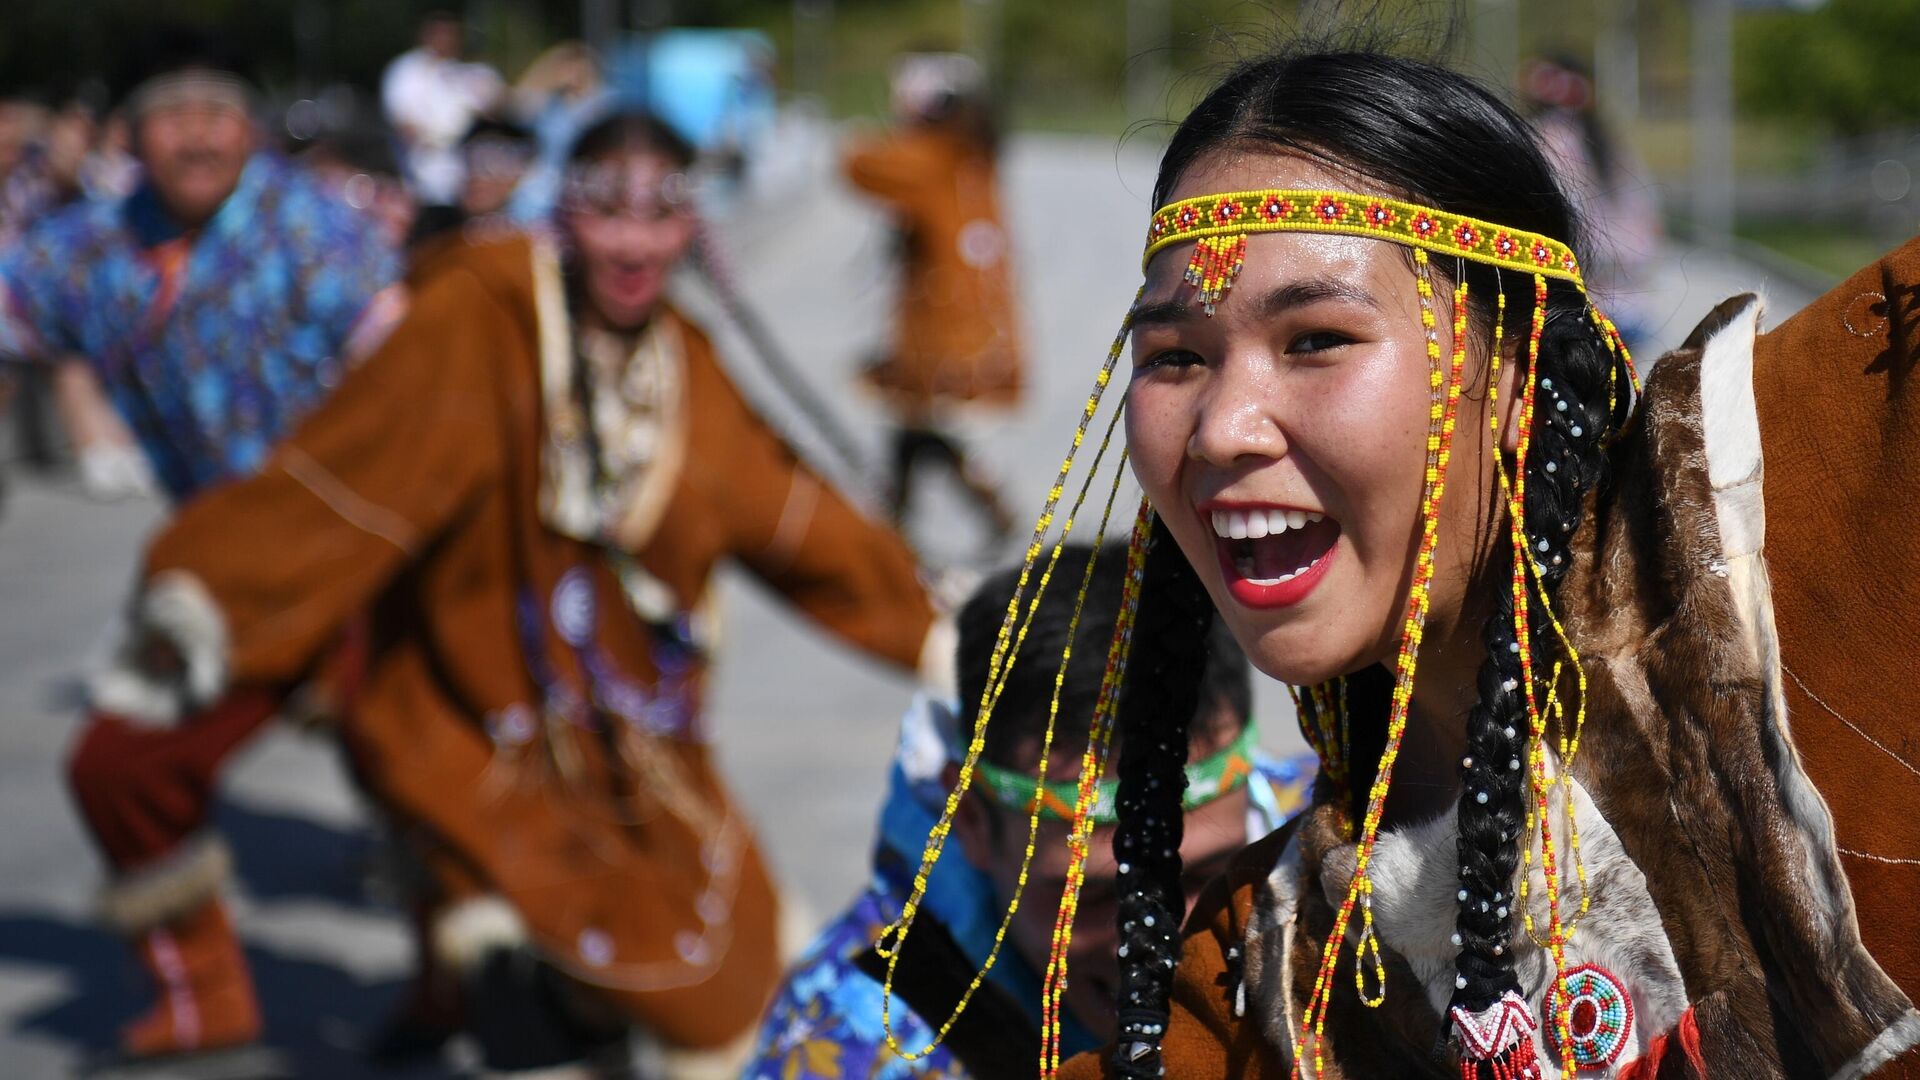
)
(1011, 635)
(1498, 1038)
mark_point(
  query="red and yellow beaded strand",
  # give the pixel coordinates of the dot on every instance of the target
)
(1006, 646)
(1092, 768)
(1444, 382)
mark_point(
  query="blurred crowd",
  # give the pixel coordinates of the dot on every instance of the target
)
(446, 144)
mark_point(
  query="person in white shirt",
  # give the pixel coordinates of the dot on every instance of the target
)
(431, 97)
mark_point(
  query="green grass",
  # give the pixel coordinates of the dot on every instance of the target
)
(1829, 248)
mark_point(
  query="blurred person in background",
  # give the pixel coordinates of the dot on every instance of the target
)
(432, 96)
(558, 95)
(51, 157)
(825, 1023)
(956, 342)
(495, 157)
(531, 484)
(1606, 181)
(217, 303)
(42, 154)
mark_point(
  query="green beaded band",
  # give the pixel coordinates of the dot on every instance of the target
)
(1220, 774)
(1242, 212)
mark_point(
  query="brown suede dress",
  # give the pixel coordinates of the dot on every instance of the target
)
(420, 493)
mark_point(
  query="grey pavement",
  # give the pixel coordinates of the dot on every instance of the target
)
(804, 727)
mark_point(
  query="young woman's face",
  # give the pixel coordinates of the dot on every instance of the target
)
(1304, 401)
(627, 247)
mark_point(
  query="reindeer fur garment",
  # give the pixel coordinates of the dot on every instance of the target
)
(1716, 884)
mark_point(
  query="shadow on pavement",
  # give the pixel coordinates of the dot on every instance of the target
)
(317, 1014)
(284, 856)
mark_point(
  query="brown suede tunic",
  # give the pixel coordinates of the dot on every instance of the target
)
(414, 493)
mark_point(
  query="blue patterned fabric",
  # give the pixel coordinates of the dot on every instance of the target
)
(825, 1023)
(269, 292)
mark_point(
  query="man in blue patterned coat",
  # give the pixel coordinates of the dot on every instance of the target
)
(216, 305)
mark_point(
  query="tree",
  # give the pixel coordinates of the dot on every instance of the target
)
(1849, 65)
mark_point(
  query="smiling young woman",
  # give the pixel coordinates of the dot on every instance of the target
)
(1385, 436)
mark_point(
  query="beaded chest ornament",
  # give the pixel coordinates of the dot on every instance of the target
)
(1496, 1041)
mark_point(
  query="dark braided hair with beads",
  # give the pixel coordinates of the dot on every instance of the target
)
(1162, 692)
(1417, 131)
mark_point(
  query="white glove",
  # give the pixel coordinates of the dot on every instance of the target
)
(164, 659)
(112, 471)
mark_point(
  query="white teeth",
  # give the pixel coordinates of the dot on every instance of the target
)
(1255, 524)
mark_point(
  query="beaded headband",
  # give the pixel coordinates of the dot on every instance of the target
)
(613, 188)
(1218, 227)
(190, 87)
(1219, 775)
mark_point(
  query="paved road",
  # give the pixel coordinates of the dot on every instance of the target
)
(804, 727)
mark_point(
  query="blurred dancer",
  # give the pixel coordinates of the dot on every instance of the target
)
(431, 97)
(221, 299)
(1608, 184)
(955, 342)
(217, 304)
(825, 1022)
(531, 483)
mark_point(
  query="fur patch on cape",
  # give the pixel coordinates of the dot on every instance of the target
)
(465, 933)
(1417, 870)
(176, 607)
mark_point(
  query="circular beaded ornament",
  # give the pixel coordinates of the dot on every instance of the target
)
(1599, 1015)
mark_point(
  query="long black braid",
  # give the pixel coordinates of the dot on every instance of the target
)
(1564, 463)
(1162, 692)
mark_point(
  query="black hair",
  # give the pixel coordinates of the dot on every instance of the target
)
(493, 127)
(1014, 734)
(631, 131)
(362, 148)
(175, 47)
(1164, 679)
(1418, 131)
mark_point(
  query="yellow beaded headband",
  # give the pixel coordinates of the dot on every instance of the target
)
(1218, 226)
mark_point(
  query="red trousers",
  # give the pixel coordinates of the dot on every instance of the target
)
(142, 790)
